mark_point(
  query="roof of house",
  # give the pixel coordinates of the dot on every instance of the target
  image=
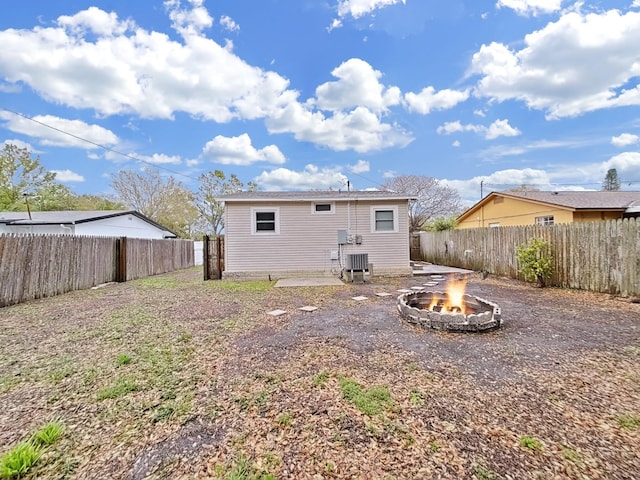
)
(626, 201)
(311, 196)
(70, 217)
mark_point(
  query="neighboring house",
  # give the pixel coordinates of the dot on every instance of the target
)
(103, 223)
(501, 209)
(288, 234)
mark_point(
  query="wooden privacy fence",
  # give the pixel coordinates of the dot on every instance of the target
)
(36, 266)
(212, 257)
(594, 256)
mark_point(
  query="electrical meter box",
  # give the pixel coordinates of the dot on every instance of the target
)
(342, 237)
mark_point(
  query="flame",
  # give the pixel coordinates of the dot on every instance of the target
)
(454, 303)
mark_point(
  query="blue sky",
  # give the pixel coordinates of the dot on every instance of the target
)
(307, 94)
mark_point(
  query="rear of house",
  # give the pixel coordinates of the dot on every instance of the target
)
(288, 234)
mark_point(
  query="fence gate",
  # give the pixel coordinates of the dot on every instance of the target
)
(212, 257)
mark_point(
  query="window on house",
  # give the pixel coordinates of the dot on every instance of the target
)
(548, 220)
(384, 219)
(323, 207)
(265, 221)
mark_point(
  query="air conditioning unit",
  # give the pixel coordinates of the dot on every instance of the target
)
(357, 261)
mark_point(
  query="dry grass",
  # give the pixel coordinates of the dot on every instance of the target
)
(171, 377)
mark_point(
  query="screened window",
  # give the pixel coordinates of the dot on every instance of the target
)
(548, 220)
(384, 221)
(265, 221)
(323, 207)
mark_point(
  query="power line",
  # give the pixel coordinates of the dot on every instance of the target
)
(104, 147)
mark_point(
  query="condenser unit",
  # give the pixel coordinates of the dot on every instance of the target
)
(357, 262)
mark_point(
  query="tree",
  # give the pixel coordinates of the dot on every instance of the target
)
(164, 200)
(432, 200)
(212, 185)
(611, 182)
(88, 201)
(441, 224)
(22, 176)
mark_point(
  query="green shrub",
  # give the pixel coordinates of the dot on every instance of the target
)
(534, 261)
(48, 434)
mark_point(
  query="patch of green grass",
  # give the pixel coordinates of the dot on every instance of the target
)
(369, 401)
(48, 434)
(19, 460)
(416, 397)
(284, 419)
(159, 281)
(258, 400)
(483, 473)
(243, 469)
(571, 455)
(124, 359)
(530, 443)
(434, 446)
(255, 286)
(123, 386)
(321, 379)
(7, 382)
(628, 421)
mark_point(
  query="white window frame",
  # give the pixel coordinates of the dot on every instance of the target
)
(331, 210)
(380, 208)
(254, 220)
(546, 220)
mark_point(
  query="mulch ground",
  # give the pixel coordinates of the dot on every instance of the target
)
(174, 378)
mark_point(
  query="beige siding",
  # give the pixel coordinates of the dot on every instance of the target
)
(306, 239)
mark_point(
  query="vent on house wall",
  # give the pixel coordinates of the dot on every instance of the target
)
(357, 261)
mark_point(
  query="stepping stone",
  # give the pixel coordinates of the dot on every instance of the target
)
(437, 277)
(360, 298)
(404, 290)
(417, 288)
(276, 313)
(308, 308)
(430, 284)
(384, 294)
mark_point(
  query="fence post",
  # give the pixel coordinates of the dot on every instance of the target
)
(219, 257)
(205, 257)
(121, 259)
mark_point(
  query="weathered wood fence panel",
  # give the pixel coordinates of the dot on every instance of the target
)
(36, 266)
(595, 256)
(212, 257)
(152, 257)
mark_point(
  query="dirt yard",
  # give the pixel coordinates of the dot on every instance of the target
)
(174, 378)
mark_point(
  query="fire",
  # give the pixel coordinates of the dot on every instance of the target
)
(454, 303)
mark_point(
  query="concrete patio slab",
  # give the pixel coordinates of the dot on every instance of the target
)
(309, 282)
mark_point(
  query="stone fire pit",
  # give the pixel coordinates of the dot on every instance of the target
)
(430, 310)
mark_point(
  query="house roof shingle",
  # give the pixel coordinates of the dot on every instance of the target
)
(602, 200)
(259, 196)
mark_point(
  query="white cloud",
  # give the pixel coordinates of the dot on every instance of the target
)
(636, 3)
(359, 8)
(428, 99)
(360, 129)
(500, 180)
(239, 151)
(139, 72)
(77, 129)
(68, 176)
(390, 174)
(479, 113)
(311, 178)
(229, 24)
(20, 144)
(361, 167)
(456, 143)
(531, 7)
(499, 128)
(625, 139)
(160, 159)
(627, 164)
(580, 63)
(358, 85)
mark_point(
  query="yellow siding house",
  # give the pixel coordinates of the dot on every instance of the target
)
(501, 209)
